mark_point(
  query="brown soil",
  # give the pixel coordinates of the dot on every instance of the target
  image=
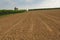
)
(32, 25)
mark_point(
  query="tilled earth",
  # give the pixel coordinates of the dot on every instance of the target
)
(32, 25)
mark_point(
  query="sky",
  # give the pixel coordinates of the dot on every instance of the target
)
(30, 4)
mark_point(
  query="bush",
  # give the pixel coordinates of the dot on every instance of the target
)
(5, 12)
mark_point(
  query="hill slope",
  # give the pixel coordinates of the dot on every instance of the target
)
(32, 25)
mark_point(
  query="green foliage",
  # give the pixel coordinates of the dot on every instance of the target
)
(6, 12)
(44, 9)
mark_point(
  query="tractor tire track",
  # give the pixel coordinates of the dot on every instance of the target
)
(14, 25)
(35, 25)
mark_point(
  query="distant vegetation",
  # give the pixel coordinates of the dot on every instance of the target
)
(6, 12)
(43, 9)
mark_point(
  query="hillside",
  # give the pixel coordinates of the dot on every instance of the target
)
(31, 25)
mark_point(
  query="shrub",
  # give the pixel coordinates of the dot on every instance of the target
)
(5, 12)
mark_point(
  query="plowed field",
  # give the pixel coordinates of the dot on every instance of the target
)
(32, 25)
